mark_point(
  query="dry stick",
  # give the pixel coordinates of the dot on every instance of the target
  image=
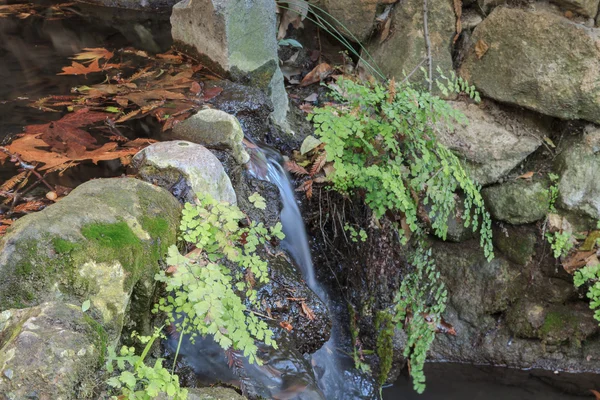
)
(25, 166)
(427, 44)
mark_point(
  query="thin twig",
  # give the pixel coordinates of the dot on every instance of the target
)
(413, 71)
(427, 44)
(16, 159)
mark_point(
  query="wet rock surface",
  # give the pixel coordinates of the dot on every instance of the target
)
(49, 352)
(214, 393)
(185, 169)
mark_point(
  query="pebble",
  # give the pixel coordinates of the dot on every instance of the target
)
(9, 374)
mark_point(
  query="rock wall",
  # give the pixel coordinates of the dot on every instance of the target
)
(536, 65)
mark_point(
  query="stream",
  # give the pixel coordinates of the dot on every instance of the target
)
(33, 50)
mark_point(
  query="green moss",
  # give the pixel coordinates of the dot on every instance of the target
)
(156, 227)
(557, 322)
(101, 341)
(385, 346)
(62, 246)
(114, 236)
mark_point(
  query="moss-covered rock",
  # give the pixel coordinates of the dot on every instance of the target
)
(516, 243)
(99, 243)
(49, 352)
(517, 202)
(552, 324)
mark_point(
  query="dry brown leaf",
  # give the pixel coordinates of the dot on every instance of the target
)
(195, 88)
(307, 311)
(12, 182)
(35, 205)
(65, 136)
(80, 69)
(319, 73)
(385, 31)
(249, 278)
(294, 168)
(32, 149)
(306, 187)
(286, 325)
(595, 393)
(481, 48)
(526, 175)
(3, 228)
(6, 221)
(91, 54)
(458, 15)
(142, 98)
(577, 260)
(318, 164)
(211, 93)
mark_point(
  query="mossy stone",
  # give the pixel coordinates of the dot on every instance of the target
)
(99, 243)
(516, 243)
(517, 202)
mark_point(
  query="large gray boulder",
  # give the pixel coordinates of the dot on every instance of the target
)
(579, 167)
(517, 202)
(185, 169)
(538, 60)
(493, 141)
(405, 49)
(239, 37)
(101, 243)
(49, 352)
(215, 129)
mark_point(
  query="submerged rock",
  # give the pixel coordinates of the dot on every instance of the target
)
(49, 352)
(240, 38)
(493, 141)
(517, 202)
(579, 167)
(214, 129)
(184, 168)
(520, 67)
(100, 243)
(214, 393)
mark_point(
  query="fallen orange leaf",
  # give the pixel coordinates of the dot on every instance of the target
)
(526, 175)
(319, 73)
(80, 69)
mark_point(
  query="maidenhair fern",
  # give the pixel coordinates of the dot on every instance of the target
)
(382, 142)
(207, 286)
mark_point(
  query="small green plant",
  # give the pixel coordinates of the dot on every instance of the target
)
(209, 284)
(455, 84)
(590, 275)
(384, 325)
(560, 242)
(382, 142)
(553, 191)
(138, 380)
(355, 235)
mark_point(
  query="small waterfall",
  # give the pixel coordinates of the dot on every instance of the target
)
(333, 369)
